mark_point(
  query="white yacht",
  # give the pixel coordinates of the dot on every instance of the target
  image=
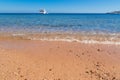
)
(43, 11)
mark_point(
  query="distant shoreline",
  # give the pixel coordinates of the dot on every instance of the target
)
(58, 14)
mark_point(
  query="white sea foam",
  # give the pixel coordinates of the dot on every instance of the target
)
(100, 42)
(80, 41)
(18, 34)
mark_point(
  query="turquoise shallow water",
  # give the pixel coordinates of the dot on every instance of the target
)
(85, 24)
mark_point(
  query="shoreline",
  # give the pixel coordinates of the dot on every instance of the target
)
(80, 38)
(70, 40)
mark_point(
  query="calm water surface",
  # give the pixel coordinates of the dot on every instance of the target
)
(90, 25)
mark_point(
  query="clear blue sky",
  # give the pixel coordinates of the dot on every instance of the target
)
(65, 6)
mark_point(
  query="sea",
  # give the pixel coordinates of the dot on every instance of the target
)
(72, 27)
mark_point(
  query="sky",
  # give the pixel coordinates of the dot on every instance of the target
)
(59, 6)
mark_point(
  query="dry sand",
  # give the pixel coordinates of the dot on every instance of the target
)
(44, 60)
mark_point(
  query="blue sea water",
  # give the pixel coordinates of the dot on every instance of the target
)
(60, 23)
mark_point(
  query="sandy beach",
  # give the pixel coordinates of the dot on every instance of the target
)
(58, 60)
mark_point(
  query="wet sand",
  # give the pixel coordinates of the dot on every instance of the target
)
(58, 60)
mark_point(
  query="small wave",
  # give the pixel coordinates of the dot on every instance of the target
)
(95, 39)
(80, 41)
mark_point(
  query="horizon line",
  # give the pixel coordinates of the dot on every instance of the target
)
(52, 13)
